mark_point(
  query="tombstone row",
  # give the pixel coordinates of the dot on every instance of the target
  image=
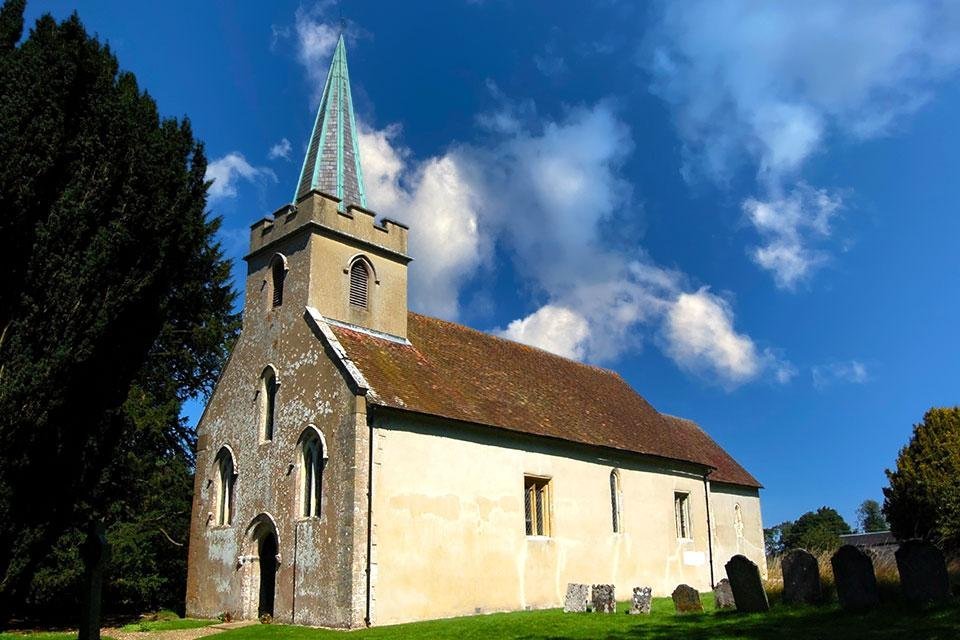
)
(922, 568)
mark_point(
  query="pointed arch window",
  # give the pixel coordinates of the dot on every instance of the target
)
(615, 500)
(313, 458)
(226, 477)
(359, 283)
(268, 401)
(278, 273)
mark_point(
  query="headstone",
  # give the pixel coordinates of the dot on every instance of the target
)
(603, 599)
(746, 585)
(577, 599)
(855, 579)
(801, 578)
(723, 595)
(642, 597)
(923, 572)
(686, 599)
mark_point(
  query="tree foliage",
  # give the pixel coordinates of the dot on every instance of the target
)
(870, 517)
(774, 538)
(923, 499)
(818, 530)
(114, 305)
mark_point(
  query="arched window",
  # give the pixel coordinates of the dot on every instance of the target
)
(278, 270)
(615, 499)
(738, 520)
(312, 460)
(226, 475)
(268, 399)
(359, 283)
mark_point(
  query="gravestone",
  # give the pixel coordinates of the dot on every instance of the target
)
(723, 595)
(855, 579)
(603, 599)
(686, 599)
(577, 599)
(642, 597)
(923, 572)
(746, 585)
(801, 578)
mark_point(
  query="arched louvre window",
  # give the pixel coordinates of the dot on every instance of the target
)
(359, 283)
(312, 462)
(615, 499)
(279, 271)
(268, 393)
(226, 476)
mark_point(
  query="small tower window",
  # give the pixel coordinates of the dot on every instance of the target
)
(359, 283)
(268, 399)
(225, 480)
(312, 459)
(615, 499)
(278, 270)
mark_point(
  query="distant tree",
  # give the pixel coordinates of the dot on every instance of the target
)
(114, 305)
(773, 538)
(817, 530)
(923, 499)
(870, 517)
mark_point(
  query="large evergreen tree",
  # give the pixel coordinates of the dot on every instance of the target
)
(818, 530)
(114, 305)
(870, 517)
(923, 499)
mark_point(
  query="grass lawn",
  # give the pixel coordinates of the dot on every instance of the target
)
(166, 625)
(808, 623)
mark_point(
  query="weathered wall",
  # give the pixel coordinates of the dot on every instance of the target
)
(730, 536)
(448, 522)
(321, 574)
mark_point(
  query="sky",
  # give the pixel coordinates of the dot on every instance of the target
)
(747, 209)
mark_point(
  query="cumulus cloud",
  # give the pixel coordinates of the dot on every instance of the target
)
(769, 84)
(850, 371)
(544, 191)
(227, 171)
(280, 150)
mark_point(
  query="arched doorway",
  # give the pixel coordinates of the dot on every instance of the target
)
(262, 560)
(268, 573)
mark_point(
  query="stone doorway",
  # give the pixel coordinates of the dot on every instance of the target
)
(262, 560)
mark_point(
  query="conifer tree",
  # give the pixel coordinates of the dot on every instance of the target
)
(114, 305)
(923, 499)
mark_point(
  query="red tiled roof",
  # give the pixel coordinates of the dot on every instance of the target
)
(456, 372)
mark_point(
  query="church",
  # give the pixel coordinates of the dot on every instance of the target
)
(360, 464)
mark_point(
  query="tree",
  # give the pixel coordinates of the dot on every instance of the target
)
(923, 499)
(773, 538)
(114, 305)
(870, 517)
(818, 530)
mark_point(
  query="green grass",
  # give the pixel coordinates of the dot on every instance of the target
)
(42, 635)
(890, 622)
(167, 625)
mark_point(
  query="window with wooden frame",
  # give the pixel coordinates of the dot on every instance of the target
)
(536, 499)
(615, 499)
(681, 506)
(359, 283)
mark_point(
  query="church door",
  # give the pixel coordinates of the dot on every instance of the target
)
(268, 573)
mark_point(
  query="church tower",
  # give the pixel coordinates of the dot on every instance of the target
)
(326, 250)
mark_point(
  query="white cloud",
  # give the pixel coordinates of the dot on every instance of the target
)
(280, 150)
(790, 226)
(771, 84)
(555, 329)
(850, 371)
(228, 170)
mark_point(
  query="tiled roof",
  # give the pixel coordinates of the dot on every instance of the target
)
(456, 372)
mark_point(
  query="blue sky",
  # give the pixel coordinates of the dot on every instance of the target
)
(747, 209)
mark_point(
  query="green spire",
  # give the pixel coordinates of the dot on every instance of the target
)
(332, 164)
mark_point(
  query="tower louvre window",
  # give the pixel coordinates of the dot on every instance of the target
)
(359, 284)
(278, 272)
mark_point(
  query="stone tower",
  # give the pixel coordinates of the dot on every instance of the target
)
(280, 511)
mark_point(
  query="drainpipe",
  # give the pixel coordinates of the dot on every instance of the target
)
(706, 493)
(369, 617)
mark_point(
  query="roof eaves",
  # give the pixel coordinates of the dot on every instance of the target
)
(343, 359)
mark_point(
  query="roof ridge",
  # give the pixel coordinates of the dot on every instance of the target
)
(522, 345)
